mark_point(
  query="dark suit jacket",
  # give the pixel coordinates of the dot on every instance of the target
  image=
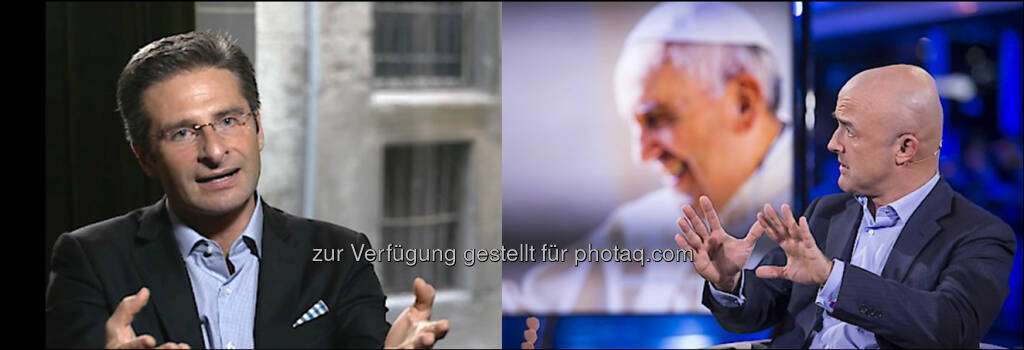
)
(96, 266)
(942, 286)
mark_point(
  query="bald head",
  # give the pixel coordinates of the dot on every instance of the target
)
(905, 100)
(889, 132)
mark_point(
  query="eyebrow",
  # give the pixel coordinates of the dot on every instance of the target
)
(189, 121)
(842, 121)
(651, 110)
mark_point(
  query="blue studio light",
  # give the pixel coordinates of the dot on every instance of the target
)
(1009, 112)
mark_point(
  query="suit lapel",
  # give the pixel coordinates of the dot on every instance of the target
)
(842, 230)
(281, 270)
(163, 272)
(919, 230)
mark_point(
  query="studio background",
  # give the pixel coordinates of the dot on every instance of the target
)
(973, 49)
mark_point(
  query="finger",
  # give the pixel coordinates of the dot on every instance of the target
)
(787, 217)
(775, 220)
(424, 340)
(681, 242)
(766, 222)
(769, 272)
(755, 233)
(534, 323)
(128, 307)
(530, 335)
(689, 234)
(437, 328)
(169, 345)
(710, 213)
(805, 229)
(691, 240)
(526, 345)
(145, 341)
(683, 223)
(440, 328)
(424, 295)
(697, 224)
(763, 222)
(684, 242)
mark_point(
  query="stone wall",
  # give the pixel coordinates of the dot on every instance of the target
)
(355, 121)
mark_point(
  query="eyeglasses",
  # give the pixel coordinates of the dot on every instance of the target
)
(231, 124)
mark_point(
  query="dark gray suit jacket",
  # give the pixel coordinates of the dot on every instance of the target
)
(96, 266)
(942, 286)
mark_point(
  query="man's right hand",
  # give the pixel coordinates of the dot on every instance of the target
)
(717, 256)
(120, 334)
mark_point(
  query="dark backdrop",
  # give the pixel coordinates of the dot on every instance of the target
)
(91, 174)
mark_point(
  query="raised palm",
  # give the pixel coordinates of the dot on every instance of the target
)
(717, 256)
(805, 263)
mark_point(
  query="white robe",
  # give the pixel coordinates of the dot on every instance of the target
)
(649, 222)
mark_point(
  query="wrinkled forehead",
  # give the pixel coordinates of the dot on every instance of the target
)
(633, 70)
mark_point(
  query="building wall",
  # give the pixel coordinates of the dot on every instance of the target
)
(355, 121)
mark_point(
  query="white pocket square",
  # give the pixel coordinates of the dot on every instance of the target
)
(318, 309)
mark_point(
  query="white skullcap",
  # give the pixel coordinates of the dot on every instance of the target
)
(700, 22)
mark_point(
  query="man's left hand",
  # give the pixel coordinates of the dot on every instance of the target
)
(413, 329)
(805, 263)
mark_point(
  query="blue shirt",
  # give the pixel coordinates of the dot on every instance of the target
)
(876, 236)
(225, 301)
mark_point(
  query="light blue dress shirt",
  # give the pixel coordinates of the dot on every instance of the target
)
(876, 236)
(225, 301)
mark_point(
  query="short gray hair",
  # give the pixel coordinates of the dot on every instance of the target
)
(711, 65)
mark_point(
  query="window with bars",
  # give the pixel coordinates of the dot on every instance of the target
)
(423, 202)
(418, 44)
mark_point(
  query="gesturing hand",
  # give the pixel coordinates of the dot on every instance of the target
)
(805, 263)
(413, 328)
(119, 332)
(530, 334)
(717, 256)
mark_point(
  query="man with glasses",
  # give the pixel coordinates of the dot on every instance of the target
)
(211, 264)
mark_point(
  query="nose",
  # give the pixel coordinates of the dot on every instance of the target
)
(833, 145)
(649, 148)
(211, 148)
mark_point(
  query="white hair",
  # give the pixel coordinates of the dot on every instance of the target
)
(712, 66)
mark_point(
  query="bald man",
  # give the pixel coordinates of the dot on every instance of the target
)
(899, 260)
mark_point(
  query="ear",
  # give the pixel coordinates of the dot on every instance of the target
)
(749, 101)
(907, 146)
(259, 127)
(145, 159)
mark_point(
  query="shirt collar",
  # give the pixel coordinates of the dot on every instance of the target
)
(187, 238)
(905, 206)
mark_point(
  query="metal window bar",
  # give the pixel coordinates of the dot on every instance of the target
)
(418, 44)
(424, 185)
